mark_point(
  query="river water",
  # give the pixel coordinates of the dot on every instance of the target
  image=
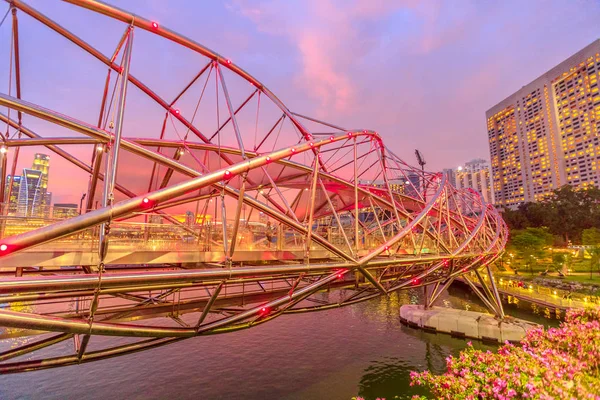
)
(361, 349)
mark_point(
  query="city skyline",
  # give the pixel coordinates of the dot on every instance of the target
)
(389, 80)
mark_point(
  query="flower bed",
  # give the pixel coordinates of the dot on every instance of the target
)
(557, 363)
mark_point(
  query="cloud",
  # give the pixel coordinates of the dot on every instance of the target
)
(328, 38)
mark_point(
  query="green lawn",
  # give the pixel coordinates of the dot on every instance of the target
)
(579, 271)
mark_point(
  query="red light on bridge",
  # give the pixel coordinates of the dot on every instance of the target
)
(268, 159)
(3, 247)
(293, 150)
(311, 144)
(264, 310)
(227, 174)
(464, 269)
(332, 138)
(415, 281)
(228, 61)
(175, 111)
(147, 203)
(349, 134)
(154, 25)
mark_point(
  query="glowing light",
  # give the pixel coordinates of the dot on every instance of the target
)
(99, 148)
(268, 159)
(415, 281)
(554, 292)
(332, 138)
(227, 174)
(3, 247)
(365, 131)
(407, 182)
(349, 134)
(146, 200)
(154, 25)
(175, 111)
(228, 61)
(311, 144)
(340, 276)
(293, 150)
(530, 286)
(460, 168)
(3, 150)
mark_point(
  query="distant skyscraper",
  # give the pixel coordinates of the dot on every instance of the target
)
(41, 162)
(29, 193)
(14, 193)
(547, 134)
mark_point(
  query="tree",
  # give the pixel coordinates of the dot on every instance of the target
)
(567, 212)
(591, 237)
(529, 243)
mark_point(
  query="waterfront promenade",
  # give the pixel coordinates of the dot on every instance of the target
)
(514, 291)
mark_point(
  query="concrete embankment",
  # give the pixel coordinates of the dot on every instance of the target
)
(462, 323)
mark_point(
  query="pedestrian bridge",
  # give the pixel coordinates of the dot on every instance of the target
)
(284, 213)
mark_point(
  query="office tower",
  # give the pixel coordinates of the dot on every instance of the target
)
(545, 135)
(14, 193)
(29, 200)
(41, 162)
(47, 202)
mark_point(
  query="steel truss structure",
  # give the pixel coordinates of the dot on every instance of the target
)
(287, 207)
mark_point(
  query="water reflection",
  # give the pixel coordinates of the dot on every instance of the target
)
(336, 354)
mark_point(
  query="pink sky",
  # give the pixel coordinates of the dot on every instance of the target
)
(422, 73)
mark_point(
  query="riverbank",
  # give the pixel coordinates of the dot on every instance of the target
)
(465, 324)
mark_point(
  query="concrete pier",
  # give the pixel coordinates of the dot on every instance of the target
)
(468, 324)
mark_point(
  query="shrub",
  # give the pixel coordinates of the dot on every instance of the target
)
(561, 362)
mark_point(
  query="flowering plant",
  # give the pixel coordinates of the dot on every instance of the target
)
(558, 363)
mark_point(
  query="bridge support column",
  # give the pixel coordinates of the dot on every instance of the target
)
(110, 177)
(491, 299)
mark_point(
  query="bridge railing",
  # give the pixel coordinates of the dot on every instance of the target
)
(153, 232)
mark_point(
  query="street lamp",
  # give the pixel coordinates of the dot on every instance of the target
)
(81, 202)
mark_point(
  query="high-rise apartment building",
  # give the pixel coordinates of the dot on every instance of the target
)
(475, 174)
(546, 134)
